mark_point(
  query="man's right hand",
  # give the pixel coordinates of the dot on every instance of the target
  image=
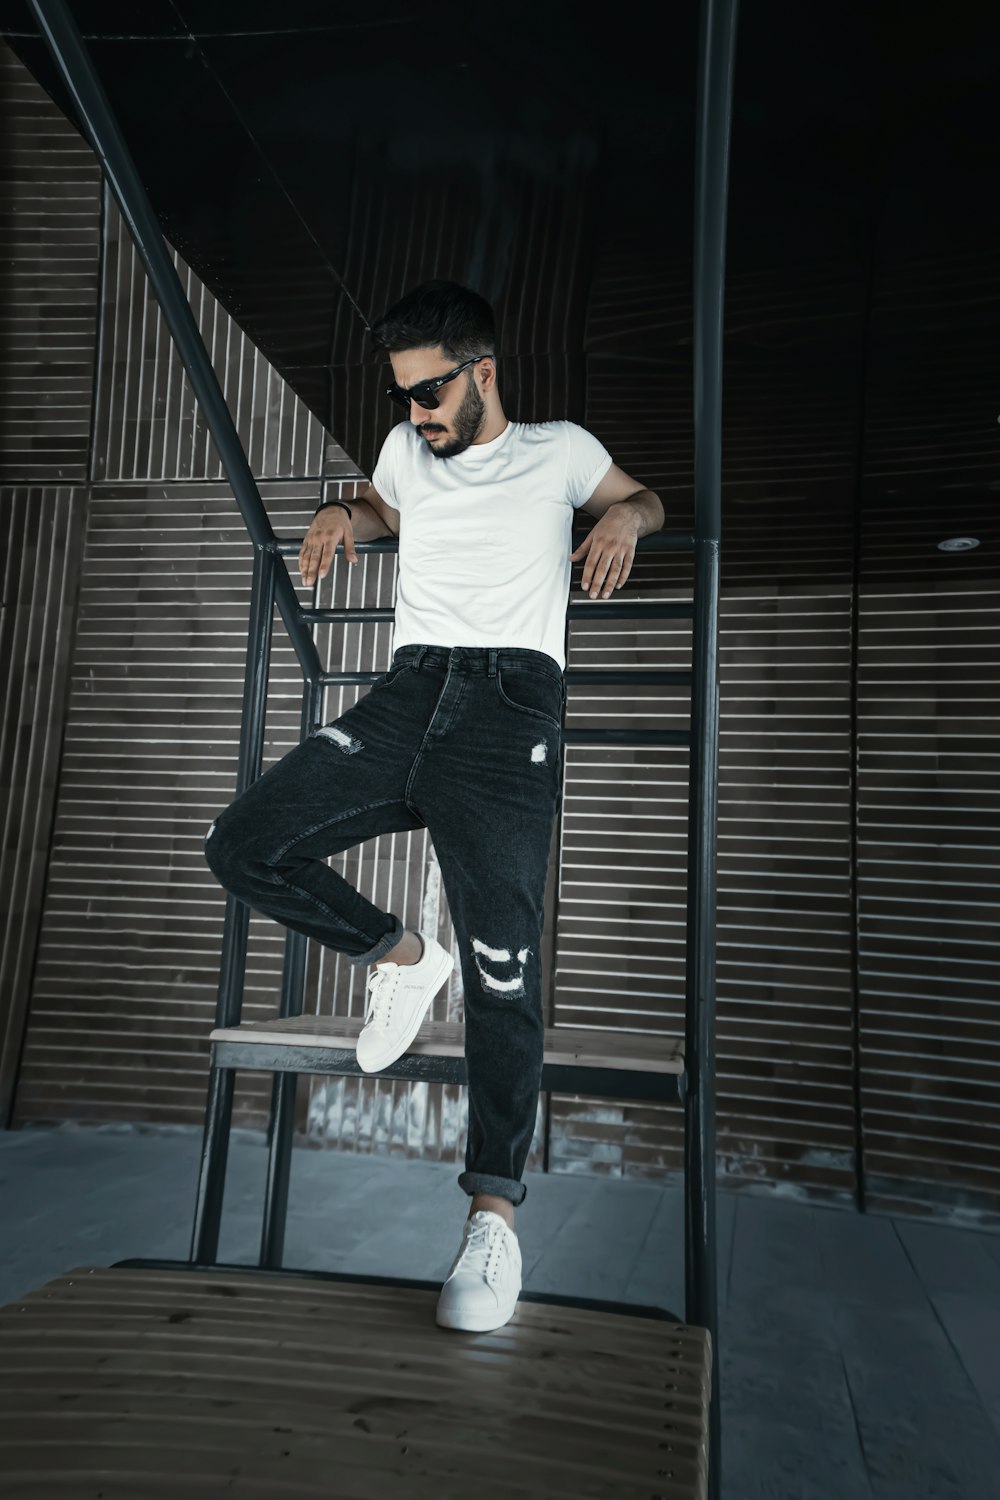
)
(330, 527)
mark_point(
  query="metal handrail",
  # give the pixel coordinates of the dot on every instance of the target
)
(653, 541)
(622, 609)
(608, 609)
(619, 676)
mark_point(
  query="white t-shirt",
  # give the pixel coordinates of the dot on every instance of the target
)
(485, 536)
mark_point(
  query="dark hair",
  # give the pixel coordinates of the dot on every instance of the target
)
(438, 312)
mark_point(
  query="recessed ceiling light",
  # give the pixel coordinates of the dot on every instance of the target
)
(958, 544)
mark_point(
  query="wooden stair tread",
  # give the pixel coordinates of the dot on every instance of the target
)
(167, 1382)
(571, 1046)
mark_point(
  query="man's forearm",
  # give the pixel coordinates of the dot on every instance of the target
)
(648, 510)
(366, 523)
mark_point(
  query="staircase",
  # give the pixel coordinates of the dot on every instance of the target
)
(581, 1062)
(340, 1384)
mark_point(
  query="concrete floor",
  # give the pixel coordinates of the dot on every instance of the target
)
(860, 1355)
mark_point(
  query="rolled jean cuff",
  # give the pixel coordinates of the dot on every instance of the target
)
(382, 947)
(497, 1187)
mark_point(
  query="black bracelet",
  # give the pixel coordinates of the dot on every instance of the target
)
(324, 503)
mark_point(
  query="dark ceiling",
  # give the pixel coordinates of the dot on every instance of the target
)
(312, 161)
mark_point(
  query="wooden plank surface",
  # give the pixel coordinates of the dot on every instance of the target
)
(225, 1384)
(636, 1051)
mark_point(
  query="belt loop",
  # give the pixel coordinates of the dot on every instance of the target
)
(421, 653)
(491, 670)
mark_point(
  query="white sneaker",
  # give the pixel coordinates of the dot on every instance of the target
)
(398, 999)
(484, 1282)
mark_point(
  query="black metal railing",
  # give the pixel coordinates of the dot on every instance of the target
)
(272, 586)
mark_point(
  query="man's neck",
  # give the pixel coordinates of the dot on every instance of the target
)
(492, 428)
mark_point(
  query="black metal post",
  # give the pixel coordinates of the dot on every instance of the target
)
(218, 1109)
(77, 70)
(281, 1124)
(716, 56)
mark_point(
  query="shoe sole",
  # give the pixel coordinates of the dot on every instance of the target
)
(469, 1323)
(445, 964)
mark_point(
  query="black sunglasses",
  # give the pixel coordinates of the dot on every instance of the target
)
(424, 393)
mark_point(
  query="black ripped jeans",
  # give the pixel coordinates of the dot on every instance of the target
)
(466, 742)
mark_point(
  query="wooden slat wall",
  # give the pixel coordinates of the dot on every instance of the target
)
(929, 873)
(785, 982)
(127, 970)
(50, 210)
(50, 189)
(929, 714)
(125, 984)
(147, 423)
(41, 531)
(127, 967)
(128, 962)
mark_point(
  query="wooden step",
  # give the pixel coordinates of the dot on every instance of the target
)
(641, 1052)
(127, 1382)
(622, 1064)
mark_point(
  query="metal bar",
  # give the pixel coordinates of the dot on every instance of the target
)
(619, 676)
(716, 57)
(629, 676)
(417, 1067)
(680, 737)
(232, 970)
(651, 609)
(87, 92)
(281, 1123)
(281, 1131)
(654, 541)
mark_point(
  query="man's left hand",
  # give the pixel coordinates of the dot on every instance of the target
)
(609, 548)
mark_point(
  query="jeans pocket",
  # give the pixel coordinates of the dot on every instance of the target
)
(388, 678)
(529, 691)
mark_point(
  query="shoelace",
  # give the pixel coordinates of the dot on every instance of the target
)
(486, 1239)
(381, 988)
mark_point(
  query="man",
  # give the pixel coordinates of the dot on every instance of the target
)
(461, 736)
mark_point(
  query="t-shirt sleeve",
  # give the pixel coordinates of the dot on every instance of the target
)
(588, 462)
(385, 476)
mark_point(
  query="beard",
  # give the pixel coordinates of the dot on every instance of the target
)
(469, 420)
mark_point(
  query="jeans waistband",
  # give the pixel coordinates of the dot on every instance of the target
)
(478, 660)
